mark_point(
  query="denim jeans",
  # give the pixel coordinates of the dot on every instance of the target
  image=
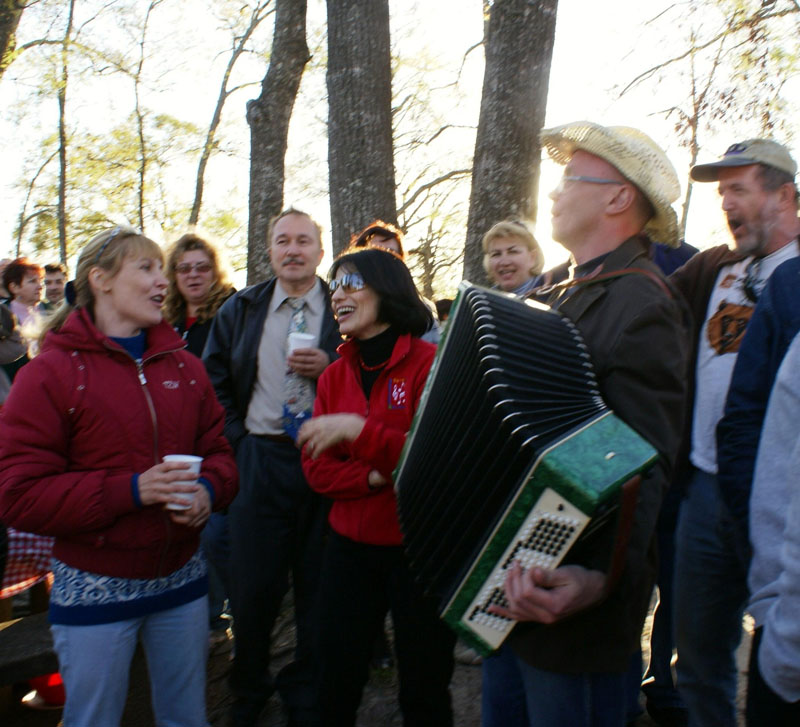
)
(551, 699)
(502, 693)
(94, 662)
(710, 595)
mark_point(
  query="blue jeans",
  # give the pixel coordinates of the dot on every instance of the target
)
(94, 662)
(710, 592)
(502, 693)
(550, 699)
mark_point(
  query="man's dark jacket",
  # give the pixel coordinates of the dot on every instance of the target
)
(635, 333)
(231, 352)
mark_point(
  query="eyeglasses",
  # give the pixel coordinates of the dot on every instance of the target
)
(349, 282)
(186, 268)
(589, 180)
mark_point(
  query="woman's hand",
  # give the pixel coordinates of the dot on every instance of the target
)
(159, 484)
(376, 480)
(320, 433)
(308, 362)
(197, 514)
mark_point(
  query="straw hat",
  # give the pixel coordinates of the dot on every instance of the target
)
(637, 157)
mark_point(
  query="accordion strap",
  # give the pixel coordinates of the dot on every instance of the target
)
(601, 277)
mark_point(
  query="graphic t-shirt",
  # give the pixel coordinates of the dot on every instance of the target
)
(729, 310)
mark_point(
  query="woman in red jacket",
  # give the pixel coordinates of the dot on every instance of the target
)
(364, 407)
(82, 438)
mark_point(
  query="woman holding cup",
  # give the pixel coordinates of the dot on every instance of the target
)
(82, 441)
(364, 407)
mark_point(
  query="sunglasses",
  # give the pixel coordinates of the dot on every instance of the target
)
(349, 282)
(184, 268)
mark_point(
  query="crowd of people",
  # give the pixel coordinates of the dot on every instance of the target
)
(292, 399)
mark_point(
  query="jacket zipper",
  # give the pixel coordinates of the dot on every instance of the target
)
(149, 399)
(152, 409)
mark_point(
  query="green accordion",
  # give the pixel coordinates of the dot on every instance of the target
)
(512, 457)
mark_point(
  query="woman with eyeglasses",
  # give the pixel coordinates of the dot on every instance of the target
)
(198, 286)
(83, 436)
(364, 407)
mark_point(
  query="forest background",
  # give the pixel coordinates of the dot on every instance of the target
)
(112, 110)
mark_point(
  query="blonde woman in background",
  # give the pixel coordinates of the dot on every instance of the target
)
(198, 286)
(512, 257)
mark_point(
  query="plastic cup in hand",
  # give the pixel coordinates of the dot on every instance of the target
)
(301, 340)
(183, 500)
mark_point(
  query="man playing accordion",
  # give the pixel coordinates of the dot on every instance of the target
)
(565, 664)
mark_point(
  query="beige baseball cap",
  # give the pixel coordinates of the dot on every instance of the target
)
(745, 153)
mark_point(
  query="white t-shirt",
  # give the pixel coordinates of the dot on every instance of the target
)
(729, 312)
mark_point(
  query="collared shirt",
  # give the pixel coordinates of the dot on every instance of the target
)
(266, 404)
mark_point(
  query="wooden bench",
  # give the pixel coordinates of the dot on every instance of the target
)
(26, 649)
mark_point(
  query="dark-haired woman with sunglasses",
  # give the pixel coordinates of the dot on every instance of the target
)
(198, 286)
(364, 407)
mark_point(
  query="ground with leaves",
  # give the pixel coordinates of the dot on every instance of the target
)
(378, 708)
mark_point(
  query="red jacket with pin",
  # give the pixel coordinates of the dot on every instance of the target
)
(359, 512)
(82, 418)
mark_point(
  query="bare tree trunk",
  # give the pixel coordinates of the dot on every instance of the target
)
(268, 117)
(144, 158)
(10, 14)
(505, 173)
(360, 144)
(62, 138)
(257, 15)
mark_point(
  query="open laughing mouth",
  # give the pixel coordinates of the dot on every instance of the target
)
(344, 311)
(736, 226)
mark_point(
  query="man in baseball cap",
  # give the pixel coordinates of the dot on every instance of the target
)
(745, 153)
(722, 286)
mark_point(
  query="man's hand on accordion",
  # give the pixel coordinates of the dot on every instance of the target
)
(547, 596)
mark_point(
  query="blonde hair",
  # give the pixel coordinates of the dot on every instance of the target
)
(107, 250)
(520, 231)
(221, 288)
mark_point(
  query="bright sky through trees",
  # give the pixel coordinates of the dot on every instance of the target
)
(599, 48)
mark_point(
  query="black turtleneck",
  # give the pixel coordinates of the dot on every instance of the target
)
(374, 352)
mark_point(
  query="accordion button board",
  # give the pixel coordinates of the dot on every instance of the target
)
(513, 456)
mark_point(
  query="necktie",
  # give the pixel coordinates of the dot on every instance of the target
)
(298, 391)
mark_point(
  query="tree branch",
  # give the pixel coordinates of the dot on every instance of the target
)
(429, 185)
(751, 20)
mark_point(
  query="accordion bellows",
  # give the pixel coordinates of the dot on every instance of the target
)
(512, 456)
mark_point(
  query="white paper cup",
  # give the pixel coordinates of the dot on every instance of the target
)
(183, 500)
(301, 340)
